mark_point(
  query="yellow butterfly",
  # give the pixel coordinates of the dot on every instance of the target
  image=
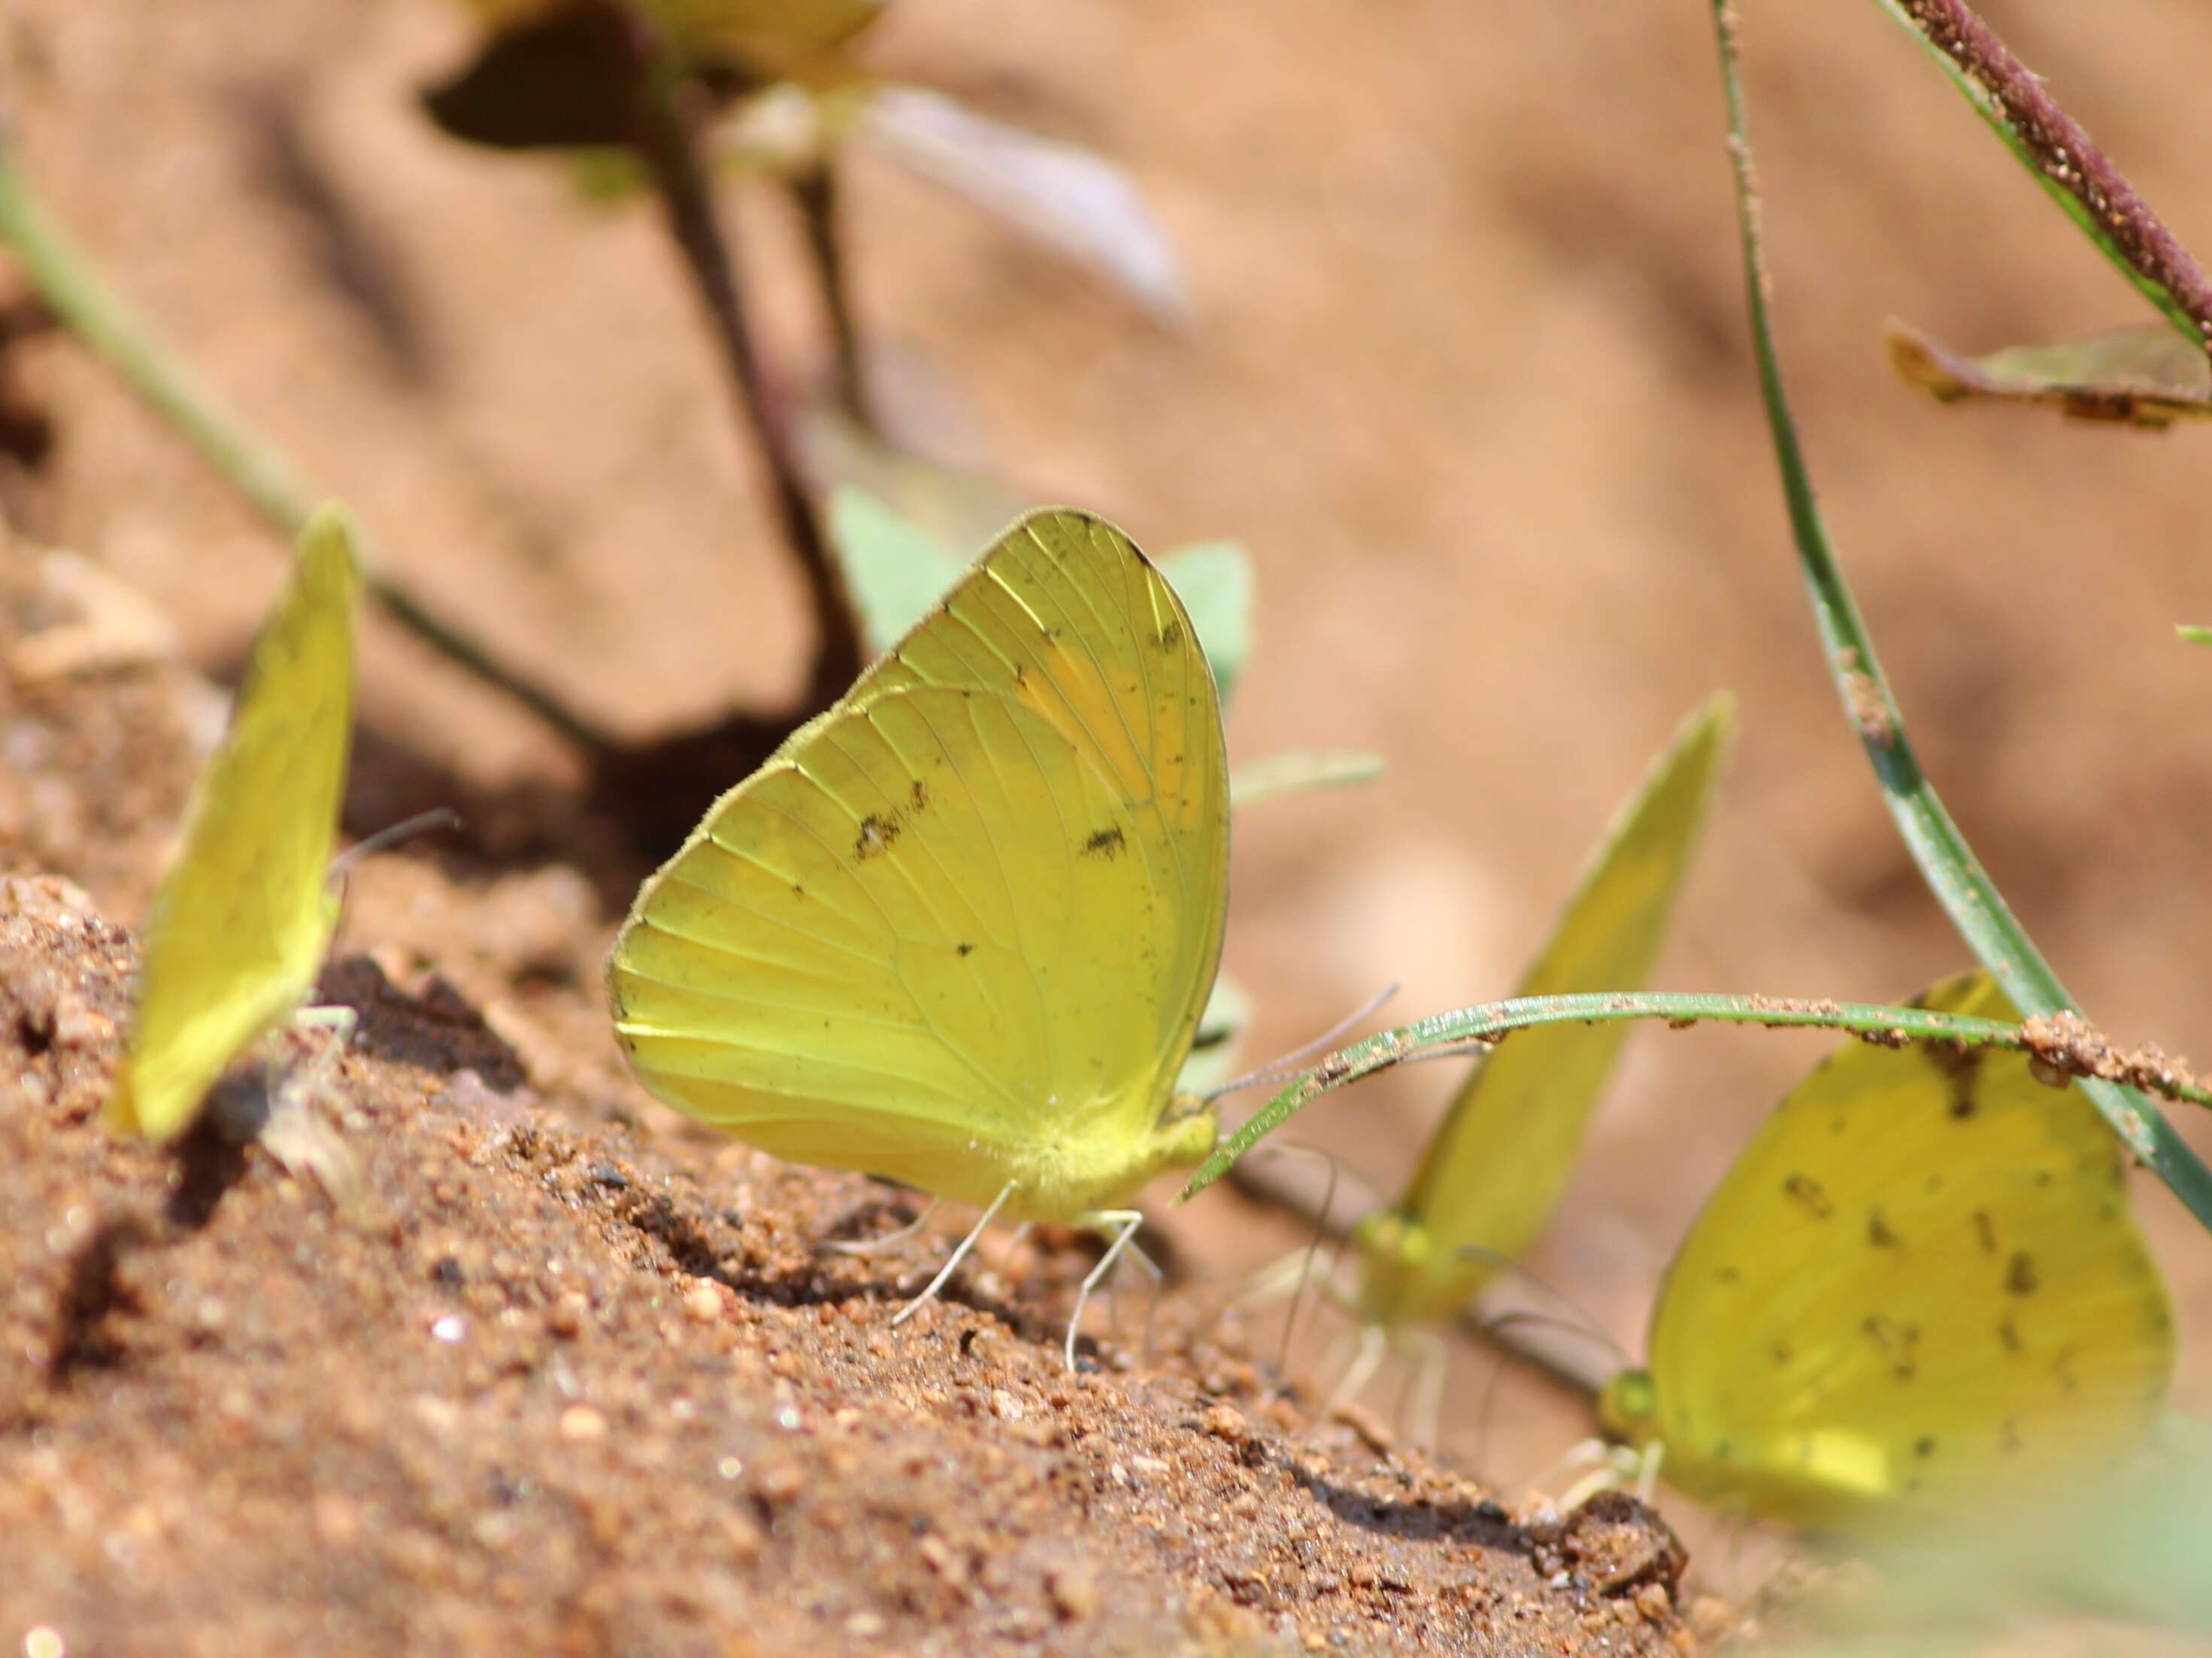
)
(1919, 1290)
(239, 926)
(1493, 1169)
(958, 931)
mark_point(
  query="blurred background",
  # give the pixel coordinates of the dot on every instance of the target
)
(1466, 373)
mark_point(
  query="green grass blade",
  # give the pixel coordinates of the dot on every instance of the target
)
(1993, 115)
(1471, 1028)
(1976, 909)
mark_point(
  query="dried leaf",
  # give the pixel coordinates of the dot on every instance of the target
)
(2144, 376)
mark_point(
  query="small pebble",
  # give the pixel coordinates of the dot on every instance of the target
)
(703, 1302)
(1225, 1422)
(780, 1482)
(1074, 1590)
(582, 1424)
(565, 1317)
(866, 1625)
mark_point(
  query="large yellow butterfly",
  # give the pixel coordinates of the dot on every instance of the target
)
(958, 931)
(1920, 1289)
(239, 926)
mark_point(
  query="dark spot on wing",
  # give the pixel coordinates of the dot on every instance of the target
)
(1924, 1446)
(1727, 1275)
(2009, 1435)
(1105, 843)
(919, 795)
(1986, 1230)
(965, 949)
(1172, 636)
(1899, 1343)
(1805, 1191)
(2008, 1333)
(1780, 1351)
(1961, 1067)
(878, 830)
(1878, 1232)
(2019, 1273)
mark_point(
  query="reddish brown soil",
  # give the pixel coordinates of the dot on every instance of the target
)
(497, 1374)
(1468, 378)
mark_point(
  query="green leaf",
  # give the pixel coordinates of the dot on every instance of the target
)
(1300, 771)
(1071, 201)
(2195, 636)
(892, 570)
(1946, 863)
(2143, 376)
(1213, 579)
(1494, 1168)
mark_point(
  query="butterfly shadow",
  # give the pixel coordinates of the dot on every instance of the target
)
(436, 1029)
(1482, 1524)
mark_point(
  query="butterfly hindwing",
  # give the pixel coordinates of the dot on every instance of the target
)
(958, 930)
(1921, 1282)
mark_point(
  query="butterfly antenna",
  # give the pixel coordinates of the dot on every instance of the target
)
(341, 870)
(1580, 1320)
(1281, 1069)
(438, 817)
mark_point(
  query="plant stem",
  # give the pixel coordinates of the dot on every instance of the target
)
(2065, 1043)
(665, 135)
(2067, 156)
(1946, 863)
(64, 279)
(815, 190)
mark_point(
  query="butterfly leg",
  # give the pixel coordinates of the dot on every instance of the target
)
(1421, 1407)
(1610, 1467)
(336, 1016)
(890, 1240)
(1369, 1347)
(959, 1255)
(1121, 1225)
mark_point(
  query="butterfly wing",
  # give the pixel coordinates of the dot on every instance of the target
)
(959, 930)
(1921, 1282)
(1493, 1170)
(238, 928)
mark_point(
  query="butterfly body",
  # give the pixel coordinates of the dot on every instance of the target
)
(958, 931)
(1920, 1287)
(239, 926)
